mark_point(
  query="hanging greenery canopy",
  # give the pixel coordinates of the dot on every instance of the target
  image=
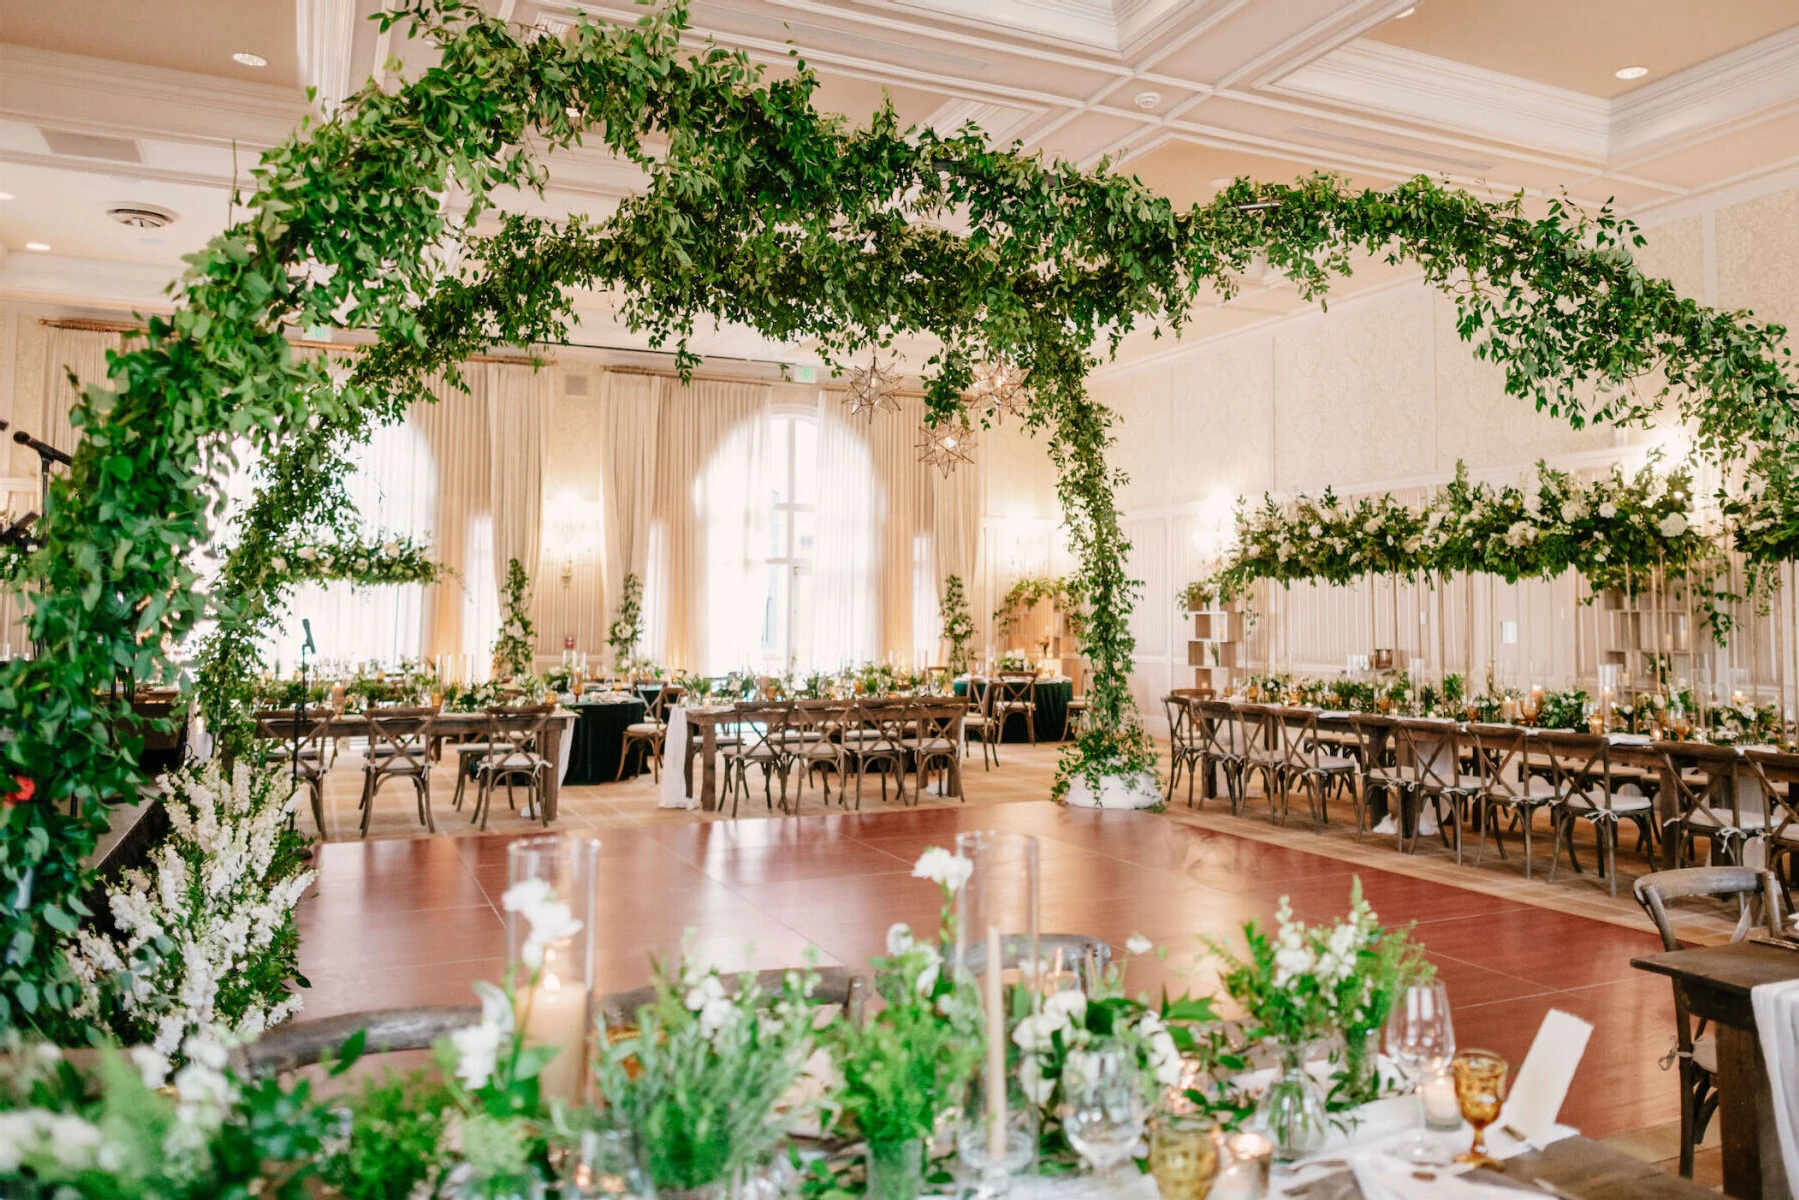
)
(1617, 531)
(758, 210)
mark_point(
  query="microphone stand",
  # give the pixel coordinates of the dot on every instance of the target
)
(46, 454)
(300, 706)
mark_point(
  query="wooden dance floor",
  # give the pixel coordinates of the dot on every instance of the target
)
(413, 922)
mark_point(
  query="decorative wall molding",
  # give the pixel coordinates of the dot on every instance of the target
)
(1374, 77)
(1756, 77)
(93, 95)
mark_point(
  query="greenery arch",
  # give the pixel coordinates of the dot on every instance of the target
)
(756, 210)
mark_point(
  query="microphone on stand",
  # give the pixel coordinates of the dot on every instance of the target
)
(44, 449)
(306, 624)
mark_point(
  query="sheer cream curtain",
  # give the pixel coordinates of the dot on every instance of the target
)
(845, 628)
(630, 412)
(519, 415)
(928, 526)
(708, 526)
(81, 351)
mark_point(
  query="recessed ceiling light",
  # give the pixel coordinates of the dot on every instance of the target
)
(245, 58)
(1631, 72)
(1148, 99)
(40, 247)
(1400, 16)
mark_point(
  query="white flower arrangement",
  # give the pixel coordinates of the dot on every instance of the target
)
(943, 867)
(192, 931)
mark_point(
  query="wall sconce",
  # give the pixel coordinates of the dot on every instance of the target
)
(573, 536)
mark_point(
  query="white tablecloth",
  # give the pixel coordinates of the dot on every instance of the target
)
(1777, 1024)
(674, 761)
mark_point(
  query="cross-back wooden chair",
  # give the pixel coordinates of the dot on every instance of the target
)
(934, 741)
(1183, 744)
(515, 741)
(1696, 1054)
(1774, 772)
(763, 742)
(301, 747)
(876, 737)
(1017, 697)
(1217, 732)
(981, 722)
(652, 732)
(1585, 792)
(1433, 751)
(1508, 786)
(1306, 760)
(1264, 752)
(1708, 802)
(399, 748)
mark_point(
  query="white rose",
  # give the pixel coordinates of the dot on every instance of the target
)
(1573, 510)
(1138, 945)
(309, 553)
(1316, 531)
(899, 938)
(390, 548)
(1673, 525)
(943, 867)
(73, 1141)
(477, 1051)
(278, 564)
(1036, 1088)
(1067, 1007)
(1608, 510)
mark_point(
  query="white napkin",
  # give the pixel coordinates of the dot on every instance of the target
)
(674, 761)
(1541, 1084)
(1380, 1176)
(1777, 1023)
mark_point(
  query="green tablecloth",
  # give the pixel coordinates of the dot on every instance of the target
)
(1051, 697)
(599, 736)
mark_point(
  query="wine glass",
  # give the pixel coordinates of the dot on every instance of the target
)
(1421, 1041)
(1480, 1090)
(1104, 1102)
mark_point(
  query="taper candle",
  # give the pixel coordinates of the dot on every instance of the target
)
(996, 1055)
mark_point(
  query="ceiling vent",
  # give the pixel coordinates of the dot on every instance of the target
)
(141, 216)
(91, 145)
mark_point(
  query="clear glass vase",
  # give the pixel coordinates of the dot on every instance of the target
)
(1291, 1111)
(895, 1170)
(1358, 1073)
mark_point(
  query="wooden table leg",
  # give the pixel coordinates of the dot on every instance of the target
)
(690, 749)
(552, 782)
(709, 769)
(1751, 1144)
(1667, 795)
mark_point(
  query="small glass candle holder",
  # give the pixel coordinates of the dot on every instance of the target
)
(1442, 1111)
(550, 907)
(1243, 1168)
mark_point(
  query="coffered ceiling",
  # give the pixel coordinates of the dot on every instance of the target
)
(1185, 94)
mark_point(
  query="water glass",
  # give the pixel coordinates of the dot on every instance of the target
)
(1105, 1101)
(1421, 1042)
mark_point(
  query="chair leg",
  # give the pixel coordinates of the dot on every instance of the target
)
(424, 786)
(368, 800)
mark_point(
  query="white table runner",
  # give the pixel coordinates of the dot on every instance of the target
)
(1777, 1024)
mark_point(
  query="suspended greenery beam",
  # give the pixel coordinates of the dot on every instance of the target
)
(758, 210)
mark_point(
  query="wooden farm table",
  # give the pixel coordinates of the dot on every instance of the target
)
(702, 739)
(1716, 981)
(461, 726)
(1574, 1166)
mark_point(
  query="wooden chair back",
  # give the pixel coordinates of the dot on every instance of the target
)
(1433, 748)
(1502, 755)
(405, 734)
(1582, 763)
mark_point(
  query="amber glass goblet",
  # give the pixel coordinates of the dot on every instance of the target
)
(1183, 1155)
(1480, 1090)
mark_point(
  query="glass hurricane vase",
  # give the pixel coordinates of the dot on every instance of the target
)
(1291, 1111)
(895, 1170)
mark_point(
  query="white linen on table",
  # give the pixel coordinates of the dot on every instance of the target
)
(1777, 1024)
(565, 745)
(674, 762)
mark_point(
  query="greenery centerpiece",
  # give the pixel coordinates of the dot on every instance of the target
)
(700, 1077)
(1304, 984)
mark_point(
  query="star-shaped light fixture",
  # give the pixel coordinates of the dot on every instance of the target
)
(870, 388)
(946, 445)
(999, 388)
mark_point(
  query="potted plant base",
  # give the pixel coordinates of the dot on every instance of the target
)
(1115, 791)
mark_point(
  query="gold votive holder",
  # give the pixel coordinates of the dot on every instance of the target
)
(1184, 1153)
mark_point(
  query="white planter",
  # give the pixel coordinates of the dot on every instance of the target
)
(1115, 791)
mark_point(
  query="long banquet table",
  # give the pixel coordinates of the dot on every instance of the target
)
(598, 738)
(1051, 696)
(469, 726)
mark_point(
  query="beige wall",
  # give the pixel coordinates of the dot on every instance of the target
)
(1380, 393)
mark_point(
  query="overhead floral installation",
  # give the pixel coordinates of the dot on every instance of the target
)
(756, 210)
(1618, 531)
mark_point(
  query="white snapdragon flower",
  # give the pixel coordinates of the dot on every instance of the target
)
(899, 938)
(1164, 1055)
(1137, 945)
(1037, 1089)
(943, 867)
(477, 1053)
(1069, 1008)
(1673, 525)
(549, 919)
(74, 1143)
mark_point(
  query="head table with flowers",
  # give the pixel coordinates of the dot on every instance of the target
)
(985, 1063)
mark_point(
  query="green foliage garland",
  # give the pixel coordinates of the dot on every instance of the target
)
(516, 646)
(757, 210)
(1027, 592)
(370, 563)
(626, 629)
(958, 625)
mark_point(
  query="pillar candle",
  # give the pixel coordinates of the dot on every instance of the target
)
(996, 1055)
(556, 1015)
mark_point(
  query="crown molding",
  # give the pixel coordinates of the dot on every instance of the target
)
(94, 95)
(1000, 122)
(62, 278)
(1748, 80)
(1438, 91)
